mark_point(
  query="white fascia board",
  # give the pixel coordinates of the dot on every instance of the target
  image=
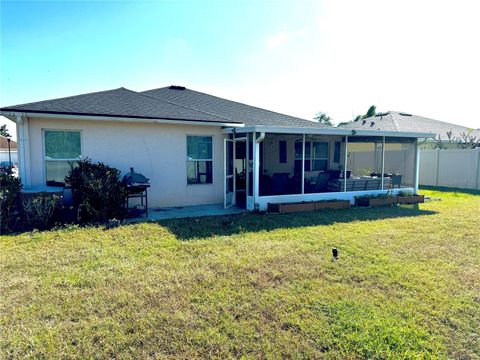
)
(327, 131)
(13, 115)
(288, 130)
(392, 133)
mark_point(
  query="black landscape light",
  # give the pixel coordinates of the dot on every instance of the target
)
(335, 253)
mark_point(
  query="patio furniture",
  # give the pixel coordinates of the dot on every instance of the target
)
(321, 183)
(359, 184)
(396, 180)
(279, 183)
(334, 174)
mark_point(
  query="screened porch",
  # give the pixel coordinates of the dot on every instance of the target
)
(292, 167)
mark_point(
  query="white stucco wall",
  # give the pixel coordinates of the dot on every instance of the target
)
(156, 150)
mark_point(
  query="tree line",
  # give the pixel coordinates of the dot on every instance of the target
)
(323, 118)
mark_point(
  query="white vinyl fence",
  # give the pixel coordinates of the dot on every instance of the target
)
(458, 168)
(13, 155)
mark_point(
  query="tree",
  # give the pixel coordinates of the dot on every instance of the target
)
(372, 111)
(323, 118)
(468, 140)
(4, 131)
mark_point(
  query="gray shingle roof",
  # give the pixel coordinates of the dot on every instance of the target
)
(231, 110)
(174, 103)
(399, 121)
(118, 103)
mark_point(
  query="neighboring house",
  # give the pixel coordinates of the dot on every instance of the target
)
(401, 121)
(4, 151)
(201, 149)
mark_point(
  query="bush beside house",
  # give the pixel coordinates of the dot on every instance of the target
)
(97, 192)
(98, 195)
(10, 188)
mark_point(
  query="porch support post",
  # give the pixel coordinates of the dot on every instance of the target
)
(383, 160)
(256, 166)
(23, 150)
(345, 165)
(247, 169)
(303, 164)
(417, 165)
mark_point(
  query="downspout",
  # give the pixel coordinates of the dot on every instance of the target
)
(260, 138)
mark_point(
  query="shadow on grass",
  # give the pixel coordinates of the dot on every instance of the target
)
(450, 190)
(195, 228)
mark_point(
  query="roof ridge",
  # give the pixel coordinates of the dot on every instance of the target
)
(185, 107)
(64, 97)
(441, 121)
(395, 123)
(237, 102)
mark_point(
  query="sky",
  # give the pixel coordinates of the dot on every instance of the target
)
(295, 57)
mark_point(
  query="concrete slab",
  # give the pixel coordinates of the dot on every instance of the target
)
(156, 214)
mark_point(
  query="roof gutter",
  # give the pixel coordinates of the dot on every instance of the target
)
(12, 115)
(328, 131)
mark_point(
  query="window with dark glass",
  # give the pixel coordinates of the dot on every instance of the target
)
(199, 160)
(316, 155)
(62, 153)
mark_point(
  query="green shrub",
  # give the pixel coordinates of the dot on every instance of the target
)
(39, 210)
(10, 187)
(404, 193)
(97, 192)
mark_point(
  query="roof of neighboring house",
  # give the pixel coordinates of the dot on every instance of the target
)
(171, 103)
(400, 121)
(227, 109)
(4, 143)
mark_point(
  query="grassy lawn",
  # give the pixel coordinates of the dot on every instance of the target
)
(406, 285)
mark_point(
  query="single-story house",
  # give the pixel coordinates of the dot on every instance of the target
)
(402, 121)
(201, 149)
(8, 150)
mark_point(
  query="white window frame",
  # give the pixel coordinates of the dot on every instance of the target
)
(44, 150)
(311, 159)
(196, 160)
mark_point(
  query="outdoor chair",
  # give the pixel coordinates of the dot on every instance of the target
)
(396, 180)
(321, 183)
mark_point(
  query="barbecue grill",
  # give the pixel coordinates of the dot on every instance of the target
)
(136, 185)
